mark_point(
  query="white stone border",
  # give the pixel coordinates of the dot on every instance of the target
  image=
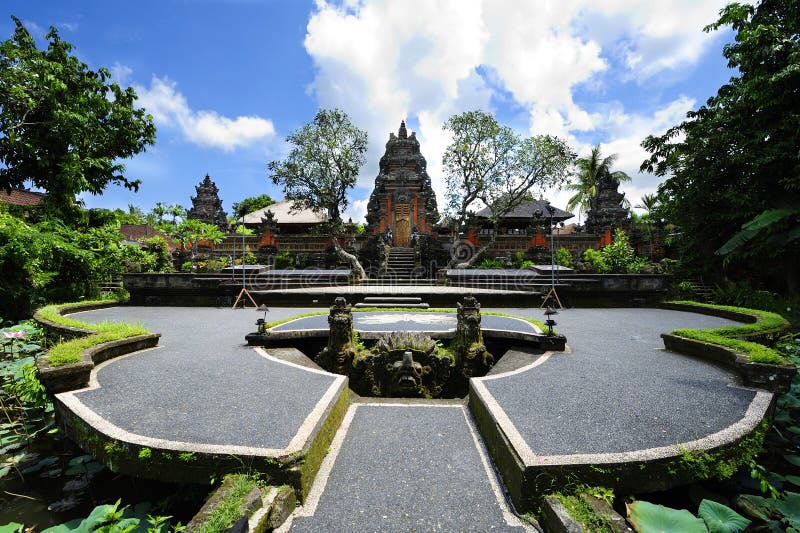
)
(755, 413)
(306, 429)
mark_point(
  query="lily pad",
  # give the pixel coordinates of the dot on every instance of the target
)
(647, 517)
(757, 507)
(721, 518)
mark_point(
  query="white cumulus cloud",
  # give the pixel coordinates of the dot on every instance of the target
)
(205, 128)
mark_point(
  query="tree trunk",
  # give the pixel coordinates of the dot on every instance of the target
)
(352, 260)
(474, 257)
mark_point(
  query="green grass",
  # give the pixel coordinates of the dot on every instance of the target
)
(69, 352)
(583, 513)
(767, 322)
(53, 314)
(228, 509)
(726, 336)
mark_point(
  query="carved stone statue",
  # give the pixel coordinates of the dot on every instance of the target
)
(338, 356)
(607, 209)
(474, 359)
(401, 365)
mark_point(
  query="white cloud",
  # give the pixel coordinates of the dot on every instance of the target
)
(205, 128)
(356, 211)
(382, 61)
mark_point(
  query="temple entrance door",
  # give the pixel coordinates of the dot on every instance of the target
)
(402, 226)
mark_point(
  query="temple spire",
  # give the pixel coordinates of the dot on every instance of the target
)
(403, 134)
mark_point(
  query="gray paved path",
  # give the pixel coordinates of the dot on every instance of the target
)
(202, 385)
(401, 468)
(619, 390)
(408, 468)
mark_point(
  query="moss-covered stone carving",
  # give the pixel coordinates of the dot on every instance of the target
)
(402, 365)
(338, 355)
(473, 358)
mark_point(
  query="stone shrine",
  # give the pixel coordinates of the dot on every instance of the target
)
(402, 201)
(206, 206)
(607, 210)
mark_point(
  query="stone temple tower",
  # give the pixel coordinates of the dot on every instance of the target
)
(206, 206)
(402, 200)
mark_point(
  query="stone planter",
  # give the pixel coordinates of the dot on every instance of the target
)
(773, 378)
(77, 375)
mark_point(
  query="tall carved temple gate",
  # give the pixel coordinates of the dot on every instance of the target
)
(402, 201)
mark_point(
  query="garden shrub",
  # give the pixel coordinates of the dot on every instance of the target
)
(491, 263)
(284, 259)
(594, 262)
(727, 336)
(563, 257)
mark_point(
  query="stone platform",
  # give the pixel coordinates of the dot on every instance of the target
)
(615, 402)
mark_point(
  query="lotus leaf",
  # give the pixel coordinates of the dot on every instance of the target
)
(757, 506)
(11, 527)
(647, 517)
(721, 518)
(789, 506)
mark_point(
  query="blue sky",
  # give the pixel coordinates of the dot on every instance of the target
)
(226, 81)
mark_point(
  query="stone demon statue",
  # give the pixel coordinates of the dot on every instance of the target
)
(474, 360)
(338, 356)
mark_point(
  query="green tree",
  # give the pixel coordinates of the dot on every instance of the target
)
(321, 167)
(191, 231)
(490, 164)
(176, 211)
(589, 170)
(734, 165)
(63, 127)
(158, 212)
(250, 204)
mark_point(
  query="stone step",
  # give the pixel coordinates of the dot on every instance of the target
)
(396, 299)
(392, 305)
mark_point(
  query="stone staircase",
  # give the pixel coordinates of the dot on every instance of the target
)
(401, 263)
(703, 292)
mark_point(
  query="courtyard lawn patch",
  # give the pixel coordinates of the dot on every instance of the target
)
(729, 336)
(69, 352)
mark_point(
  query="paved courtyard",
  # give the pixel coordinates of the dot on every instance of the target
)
(398, 465)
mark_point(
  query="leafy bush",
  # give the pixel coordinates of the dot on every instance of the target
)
(186, 266)
(620, 257)
(563, 257)
(593, 261)
(491, 263)
(743, 294)
(284, 259)
(48, 261)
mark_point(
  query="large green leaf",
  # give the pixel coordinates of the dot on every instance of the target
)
(11, 527)
(647, 517)
(721, 518)
(752, 228)
(789, 506)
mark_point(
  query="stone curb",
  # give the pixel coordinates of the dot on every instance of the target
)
(526, 474)
(773, 378)
(74, 376)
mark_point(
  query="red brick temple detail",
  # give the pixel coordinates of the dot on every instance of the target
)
(402, 200)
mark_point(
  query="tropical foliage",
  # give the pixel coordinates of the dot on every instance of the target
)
(63, 127)
(732, 167)
(589, 171)
(323, 164)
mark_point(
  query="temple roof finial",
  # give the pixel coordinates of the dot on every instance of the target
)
(402, 133)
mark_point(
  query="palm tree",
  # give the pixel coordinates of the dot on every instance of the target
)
(589, 171)
(177, 211)
(649, 202)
